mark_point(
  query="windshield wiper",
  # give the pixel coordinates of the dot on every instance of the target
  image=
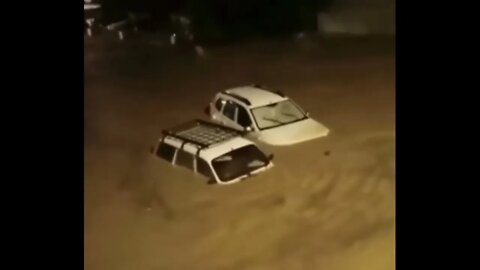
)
(289, 114)
(272, 120)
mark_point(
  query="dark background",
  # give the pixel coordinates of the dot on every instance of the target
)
(226, 19)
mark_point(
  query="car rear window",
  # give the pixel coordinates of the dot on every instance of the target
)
(239, 162)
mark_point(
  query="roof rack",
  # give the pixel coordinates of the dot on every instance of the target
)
(263, 87)
(242, 99)
(202, 133)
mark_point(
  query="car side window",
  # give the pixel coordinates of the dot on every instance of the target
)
(219, 104)
(203, 168)
(243, 118)
(165, 151)
(184, 159)
(229, 110)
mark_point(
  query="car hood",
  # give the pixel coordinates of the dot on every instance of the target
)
(293, 133)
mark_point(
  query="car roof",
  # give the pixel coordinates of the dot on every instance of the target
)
(207, 139)
(255, 96)
(212, 151)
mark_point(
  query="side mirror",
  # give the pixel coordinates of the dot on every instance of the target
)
(270, 157)
(307, 114)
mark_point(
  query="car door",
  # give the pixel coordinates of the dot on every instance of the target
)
(184, 159)
(230, 115)
(244, 119)
(214, 110)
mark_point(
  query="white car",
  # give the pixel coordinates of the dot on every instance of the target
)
(217, 152)
(270, 117)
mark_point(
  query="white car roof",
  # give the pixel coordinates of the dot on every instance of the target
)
(211, 152)
(256, 96)
(209, 140)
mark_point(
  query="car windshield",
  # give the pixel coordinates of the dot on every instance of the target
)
(277, 114)
(239, 162)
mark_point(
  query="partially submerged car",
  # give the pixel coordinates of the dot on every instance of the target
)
(217, 152)
(270, 117)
